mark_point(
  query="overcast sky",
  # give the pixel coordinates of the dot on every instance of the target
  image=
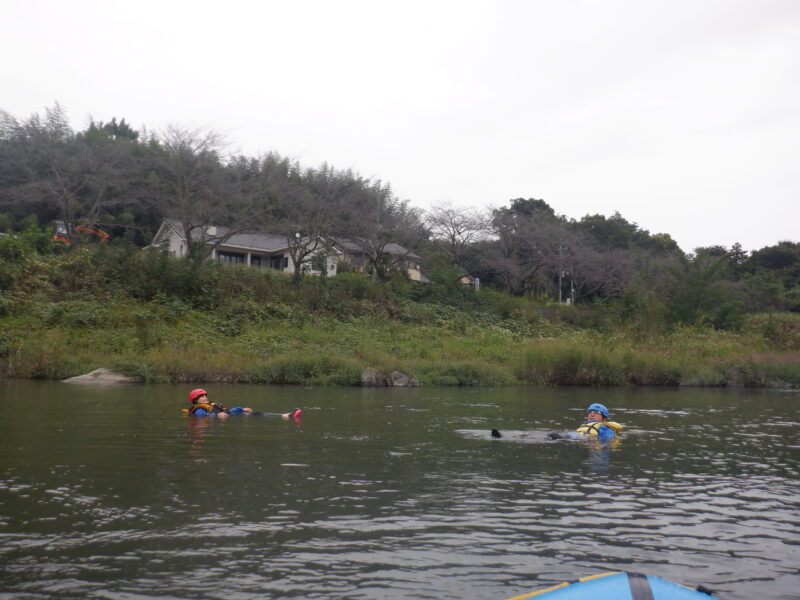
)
(683, 115)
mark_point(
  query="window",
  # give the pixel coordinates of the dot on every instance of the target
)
(278, 262)
(232, 258)
(255, 260)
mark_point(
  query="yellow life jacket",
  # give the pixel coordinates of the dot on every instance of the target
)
(592, 427)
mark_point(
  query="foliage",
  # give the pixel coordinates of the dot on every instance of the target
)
(127, 182)
(175, 320)
(641, 312)
(781, 331)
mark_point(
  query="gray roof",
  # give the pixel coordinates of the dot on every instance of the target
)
(391, 248)
(256, 241)
(267, 242)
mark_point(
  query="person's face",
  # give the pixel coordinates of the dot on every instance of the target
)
(594, 415)
(202, 399)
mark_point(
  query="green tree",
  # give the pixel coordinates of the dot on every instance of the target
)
(55, 173)
(700, 294)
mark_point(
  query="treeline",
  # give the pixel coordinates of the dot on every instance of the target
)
(527, 249)
(126, 182)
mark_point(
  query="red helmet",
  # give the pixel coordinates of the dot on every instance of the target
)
(195, 394)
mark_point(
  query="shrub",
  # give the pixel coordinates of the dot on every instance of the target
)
(46, 355)
(781, 331)
(560, 364)
(466, 373)
(75, 313)
(318, 370)
(763, 370)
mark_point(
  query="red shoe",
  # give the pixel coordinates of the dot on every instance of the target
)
(296, 414)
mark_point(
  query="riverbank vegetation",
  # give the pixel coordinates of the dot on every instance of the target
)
(594, 301)
(70, 310)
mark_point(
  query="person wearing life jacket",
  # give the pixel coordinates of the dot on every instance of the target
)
(597, 425)
(201, 406)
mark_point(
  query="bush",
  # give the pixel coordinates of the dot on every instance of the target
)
(781, 331)
(467, 373)
(46, 355)
(356, 285)
(577, 363)
(558, 364)
(310, 370)
(753, 370)
(75, 313)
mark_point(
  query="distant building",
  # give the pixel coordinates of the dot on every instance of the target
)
(260, 250)
(271, 251)
(471, 281)
(353, 252)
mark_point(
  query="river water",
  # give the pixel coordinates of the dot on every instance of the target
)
(112, 493)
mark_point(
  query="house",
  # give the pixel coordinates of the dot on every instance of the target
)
(353, 252)
(270, 251)
(260, 250)
(470, 280)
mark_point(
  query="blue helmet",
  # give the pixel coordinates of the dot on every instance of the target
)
(599, 408)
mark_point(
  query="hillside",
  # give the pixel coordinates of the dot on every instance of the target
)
(172, 320)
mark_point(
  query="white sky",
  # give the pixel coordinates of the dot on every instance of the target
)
(683, 115)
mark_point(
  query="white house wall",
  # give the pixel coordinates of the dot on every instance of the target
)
(177, 246)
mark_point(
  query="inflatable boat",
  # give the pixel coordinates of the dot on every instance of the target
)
(619, 586)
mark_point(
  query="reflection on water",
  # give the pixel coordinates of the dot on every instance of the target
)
(391, 493)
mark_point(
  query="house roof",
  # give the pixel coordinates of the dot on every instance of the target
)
(256, 241)
(391, 248)
(266, 242)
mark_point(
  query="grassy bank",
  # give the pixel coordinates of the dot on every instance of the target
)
(162, 343)
(173, 321)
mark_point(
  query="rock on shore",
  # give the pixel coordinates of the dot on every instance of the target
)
(374, 378)
(103, 377)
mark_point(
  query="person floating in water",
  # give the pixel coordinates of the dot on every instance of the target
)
(597, 424)
(201, 406)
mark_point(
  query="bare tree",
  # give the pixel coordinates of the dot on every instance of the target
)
(585, 270)
(456, 230)
(523, 250)
(303, 205)
(386, 229)
(188, 181)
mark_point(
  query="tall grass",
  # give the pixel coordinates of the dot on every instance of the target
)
(174, 320)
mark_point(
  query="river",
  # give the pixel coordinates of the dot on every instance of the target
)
(110, 492)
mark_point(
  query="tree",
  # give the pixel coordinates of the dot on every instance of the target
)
(522, 249)
(773, 277)
(782, 259)
(532, 208)
(304, 206)
(48, 168)
(386, 229)
(187, 180)
(591, 272)
(455, 231)
(698, 293)
(617, 232)
(538, 252)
